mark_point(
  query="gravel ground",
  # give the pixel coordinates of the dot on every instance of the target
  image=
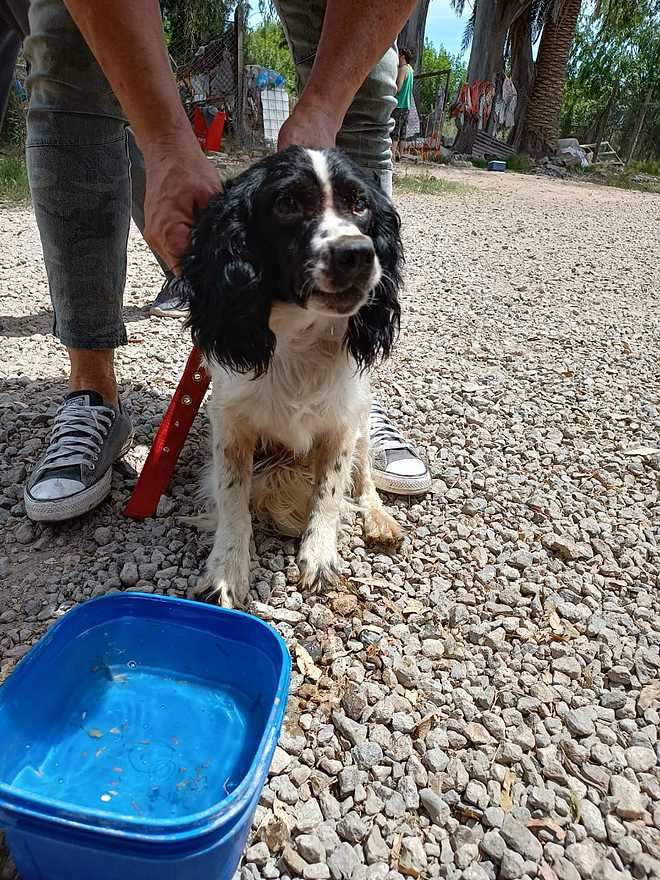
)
(486, 703)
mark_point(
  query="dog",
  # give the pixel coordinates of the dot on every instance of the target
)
(293, 273)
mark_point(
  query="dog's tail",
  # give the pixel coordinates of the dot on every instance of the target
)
(282, 492)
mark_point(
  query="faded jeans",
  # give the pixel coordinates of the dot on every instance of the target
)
(86, 172)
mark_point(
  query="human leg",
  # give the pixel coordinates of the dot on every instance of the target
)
(365, 131)
(396, 133)
(79, 172)
(365, 136)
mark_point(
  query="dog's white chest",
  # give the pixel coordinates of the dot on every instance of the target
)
(297, 401)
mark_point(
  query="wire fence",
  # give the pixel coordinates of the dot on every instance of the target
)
(247, 103)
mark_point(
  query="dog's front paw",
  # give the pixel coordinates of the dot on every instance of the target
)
(382, 530)
(216, 588)
(317, 573)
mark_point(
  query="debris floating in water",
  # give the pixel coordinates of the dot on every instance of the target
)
(95, 733)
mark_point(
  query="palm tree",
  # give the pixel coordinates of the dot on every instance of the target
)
(541, 124)
(538, 130)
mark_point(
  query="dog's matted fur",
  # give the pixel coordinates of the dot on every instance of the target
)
(294, 272)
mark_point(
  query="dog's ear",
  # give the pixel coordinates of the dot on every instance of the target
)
(373, 330)
(230, 299)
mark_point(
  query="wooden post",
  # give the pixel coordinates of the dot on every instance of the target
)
(239, 107)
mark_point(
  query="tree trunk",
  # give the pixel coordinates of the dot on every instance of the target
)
(412, 35)
(541, 127)
(640, 123)
(492, 21)
(522, 70)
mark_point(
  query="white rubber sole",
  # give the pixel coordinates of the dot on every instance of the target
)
(157, 312)
(401, 485)
(69, 508)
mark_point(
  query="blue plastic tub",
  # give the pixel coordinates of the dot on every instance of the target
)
(135, 739)
(497, 165)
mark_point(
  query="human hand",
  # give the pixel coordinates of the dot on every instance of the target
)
(180, 182)
(310, 125)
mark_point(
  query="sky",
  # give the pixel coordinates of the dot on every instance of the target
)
(444, 27)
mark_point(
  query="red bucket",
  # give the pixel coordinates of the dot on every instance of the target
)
(209, 136)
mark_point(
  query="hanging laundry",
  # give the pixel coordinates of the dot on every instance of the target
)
(473, 102)
(510, 98)
(461, 108)
(482, 93)
(200, 86)
(505, 104)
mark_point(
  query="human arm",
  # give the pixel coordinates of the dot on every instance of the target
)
(127, 40)
(353, 39)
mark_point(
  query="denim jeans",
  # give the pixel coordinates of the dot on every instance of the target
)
(87, 175)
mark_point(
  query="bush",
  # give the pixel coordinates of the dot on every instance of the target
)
(650, 166)
(518, 163)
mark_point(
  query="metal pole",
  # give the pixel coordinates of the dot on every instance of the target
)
(239, 108)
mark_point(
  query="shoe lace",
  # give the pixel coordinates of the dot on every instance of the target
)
(382, 433)
(78, 435)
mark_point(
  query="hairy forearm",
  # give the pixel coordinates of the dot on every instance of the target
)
(126, 37)
(127, 41)
(354, 38)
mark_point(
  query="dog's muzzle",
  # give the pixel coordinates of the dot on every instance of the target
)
(347, 271)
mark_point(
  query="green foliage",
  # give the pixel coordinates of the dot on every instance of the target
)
(650, 166)
(479, 163)
(266, 45)
(426, 185)
(615, 60)
(13, 179)
(189, 24)
(437, 58)
(518, 163)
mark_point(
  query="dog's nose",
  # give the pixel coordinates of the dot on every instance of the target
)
(350, 257)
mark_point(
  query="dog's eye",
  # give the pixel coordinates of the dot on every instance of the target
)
(288, 206)
(360, 205)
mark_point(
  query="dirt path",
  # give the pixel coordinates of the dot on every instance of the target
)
(521, 620)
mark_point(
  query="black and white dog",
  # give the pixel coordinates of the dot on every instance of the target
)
(294, 273)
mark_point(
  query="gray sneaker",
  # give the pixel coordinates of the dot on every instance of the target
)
(395, 466)
(75, 472)
(172, 301)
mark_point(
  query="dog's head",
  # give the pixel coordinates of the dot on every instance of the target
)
(306, 227)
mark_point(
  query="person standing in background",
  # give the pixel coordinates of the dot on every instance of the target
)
(404, 84)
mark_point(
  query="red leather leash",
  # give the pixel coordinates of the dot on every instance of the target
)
(170, 439)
